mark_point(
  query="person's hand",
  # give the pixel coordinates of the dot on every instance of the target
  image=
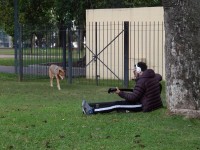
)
(117, 91)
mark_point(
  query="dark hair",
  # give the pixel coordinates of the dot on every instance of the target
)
(142, 65)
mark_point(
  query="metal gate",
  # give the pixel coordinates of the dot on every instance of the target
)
(106, 42)
(41, 48)
(114, 47)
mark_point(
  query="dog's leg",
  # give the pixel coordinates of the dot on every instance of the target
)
(51, 78)
(58, 83)
(51, 81)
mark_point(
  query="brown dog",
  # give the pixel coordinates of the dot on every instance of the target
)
(58, 72)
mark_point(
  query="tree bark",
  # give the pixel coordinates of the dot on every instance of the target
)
(182, 55)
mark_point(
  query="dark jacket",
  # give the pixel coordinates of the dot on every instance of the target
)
(146, 91)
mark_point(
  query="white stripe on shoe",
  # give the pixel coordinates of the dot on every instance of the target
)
(117, 106)
(83, 109)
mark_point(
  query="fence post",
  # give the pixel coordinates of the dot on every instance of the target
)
(20, 54)
(16, 33)
(69, 54)
(64, 47)
(96, 76)
(126, 54)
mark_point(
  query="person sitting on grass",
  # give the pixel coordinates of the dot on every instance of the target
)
(144, 97)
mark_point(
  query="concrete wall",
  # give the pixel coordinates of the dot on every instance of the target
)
(148, 14)
(146, 39)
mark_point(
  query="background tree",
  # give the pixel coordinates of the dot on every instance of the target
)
(182, 28)
(38, 15)
(96, 4)
(41, 13)
(64, 12)
(7, 16)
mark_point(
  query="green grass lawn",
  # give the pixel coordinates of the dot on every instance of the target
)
(38, 51)
(39, 56)
(7, 51)
(7, 61)
(35, 116)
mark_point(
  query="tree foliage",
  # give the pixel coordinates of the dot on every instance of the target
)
(63, 11)
(96, 4)
(36, 12)
(41, 13)
(7, 15)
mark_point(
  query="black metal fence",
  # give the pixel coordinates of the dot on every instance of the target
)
(104, 53)
(39, 49)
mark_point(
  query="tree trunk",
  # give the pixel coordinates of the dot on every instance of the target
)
(182, 52)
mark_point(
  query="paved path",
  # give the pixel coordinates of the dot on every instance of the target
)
(6, 56)
(7, 69)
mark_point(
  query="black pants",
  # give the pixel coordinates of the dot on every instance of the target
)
(119, 106)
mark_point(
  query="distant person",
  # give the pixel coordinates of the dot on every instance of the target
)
(144, 97)
(44, 44)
